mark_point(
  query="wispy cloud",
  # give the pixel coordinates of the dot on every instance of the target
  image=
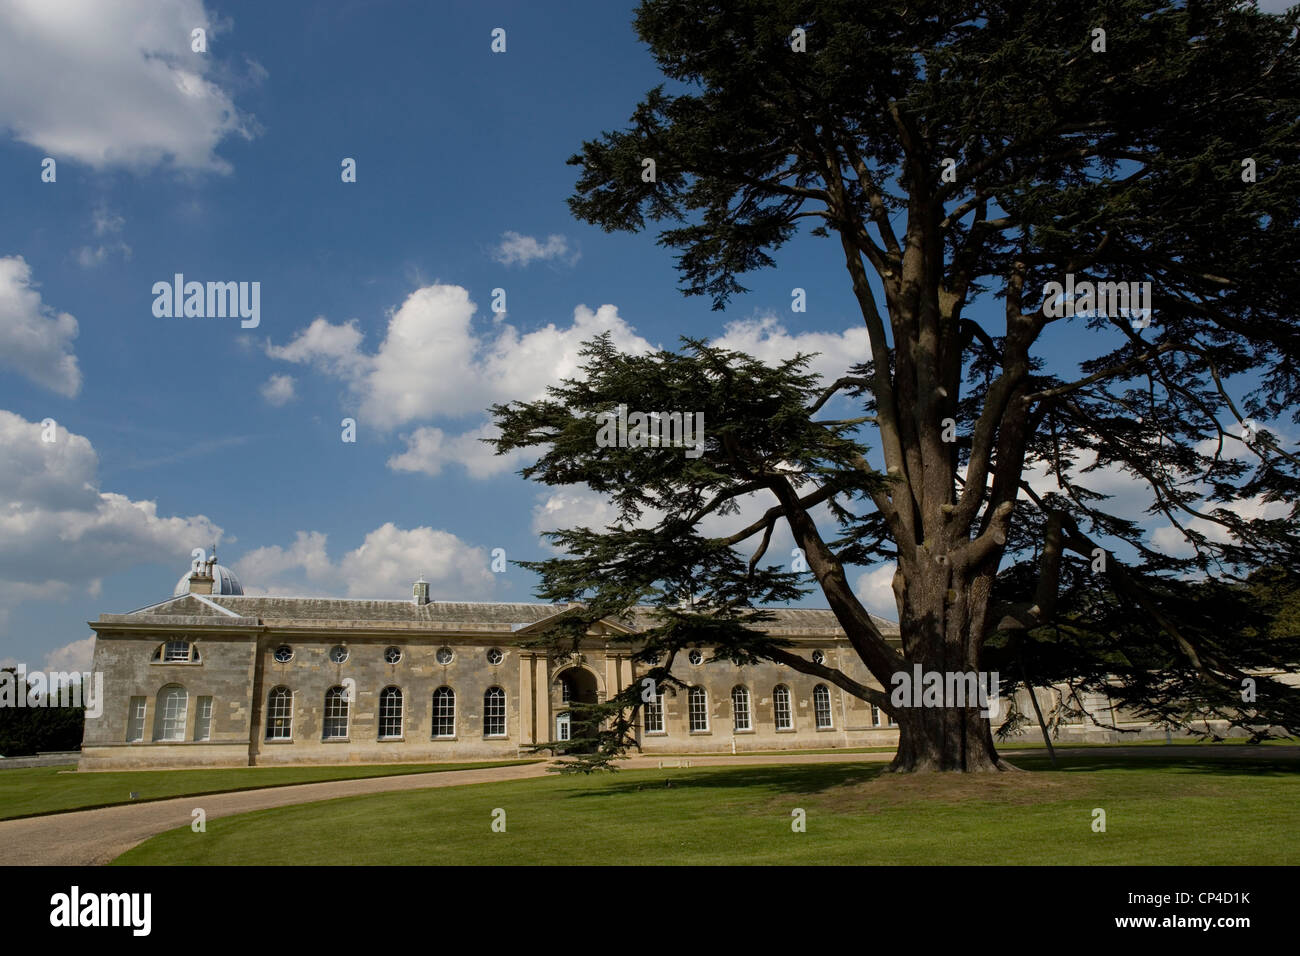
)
(516, 249)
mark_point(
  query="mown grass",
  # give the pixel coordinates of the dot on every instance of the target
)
(35, 791)
(1161, 810)
(1035, 743)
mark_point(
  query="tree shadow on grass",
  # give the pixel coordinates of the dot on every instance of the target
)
(845, 780)
(794, 778)
(1208, 763)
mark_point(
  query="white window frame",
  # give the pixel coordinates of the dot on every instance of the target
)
(692, 711)
(275, 718)
(386, 697)
(489, 699)
(336, 700)
(439, 715)
(563, 727)
(746, 709)
(781, 701)
(821, 690)
(136, 709)
(169, 724)
(203, 719)
(170, 652)
(652, 715)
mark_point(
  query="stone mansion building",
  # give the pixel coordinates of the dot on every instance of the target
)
(211, 677)
(214, 678)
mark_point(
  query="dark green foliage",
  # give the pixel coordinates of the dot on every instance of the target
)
(1117, 165)
(26, 730)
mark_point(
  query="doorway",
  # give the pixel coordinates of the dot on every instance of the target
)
(575, 687)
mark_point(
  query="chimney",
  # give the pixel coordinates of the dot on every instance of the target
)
(201, 580)
(421, 591)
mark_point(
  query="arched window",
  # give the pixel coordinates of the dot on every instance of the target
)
(390, 713)
(822, 707)
(173, 701)
(279, 714)
(781, 708)
(494, 712)
(336, 714)
(654, 714)
(740, 708)
(698, 710)
(444, 712)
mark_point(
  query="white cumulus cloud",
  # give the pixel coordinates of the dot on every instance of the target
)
(74, 656)
(35, 340)
(875, 589)
(384, 565)
(765, 338)
(434, 362)
(116, 84)
(62, 534)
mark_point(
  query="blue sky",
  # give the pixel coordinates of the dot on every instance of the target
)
(225, 166)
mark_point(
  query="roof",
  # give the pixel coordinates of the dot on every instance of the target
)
(224, 581)
(335, 613)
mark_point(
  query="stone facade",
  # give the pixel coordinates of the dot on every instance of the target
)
(263, 667)
(212, 679)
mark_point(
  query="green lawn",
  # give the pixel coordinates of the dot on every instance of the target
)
(1032, 743)
(1159, 811)
(40, 790)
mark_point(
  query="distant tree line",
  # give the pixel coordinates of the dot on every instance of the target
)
(28, 730)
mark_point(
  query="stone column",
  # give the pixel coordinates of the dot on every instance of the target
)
(542, 698)
(527, 729)
(611, 675)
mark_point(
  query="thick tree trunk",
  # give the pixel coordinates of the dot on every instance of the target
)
(942, 614)
(944, 739)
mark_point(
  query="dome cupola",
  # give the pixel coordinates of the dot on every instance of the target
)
(206, 576)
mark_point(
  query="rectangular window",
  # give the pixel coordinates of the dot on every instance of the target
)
(494, 713)
(336, 714)
(880, 718)
(444, 714)
(390, 714)
(171, 714)
(781, 709)
(698, 710)
(135, 720)
(740, 708)
(822, 707)
(176, 652)
(279, 715)
(203, 719)
(654, 715)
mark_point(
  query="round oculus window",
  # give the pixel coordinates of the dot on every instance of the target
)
(819, 657)
(444, 655)
(338, 654)
(495, 656)
(392, 654)
(695, 656)
(284, 654)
